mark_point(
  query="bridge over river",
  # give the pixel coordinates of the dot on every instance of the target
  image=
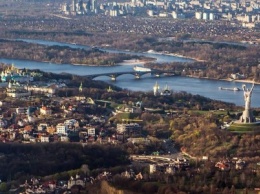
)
(136, 74)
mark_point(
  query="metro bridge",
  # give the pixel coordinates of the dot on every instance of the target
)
(136, 74)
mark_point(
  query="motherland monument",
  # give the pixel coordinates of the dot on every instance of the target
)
(247, 116)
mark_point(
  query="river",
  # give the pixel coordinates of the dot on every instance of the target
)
(204, 87)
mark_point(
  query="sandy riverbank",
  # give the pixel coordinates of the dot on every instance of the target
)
(187, 57)
(241, 81)
(228, 79)
(246, 81)
(134, 62)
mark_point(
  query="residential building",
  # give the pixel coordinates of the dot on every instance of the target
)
(17, 91)
(64, 138)
(61, 129)
(44, 139)
(21, 110)
(91, 131)
(152, 168)
(128, 128)
(45, 110)
(42, 126)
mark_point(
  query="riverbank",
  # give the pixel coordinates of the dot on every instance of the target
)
(136, 61)
(228, 79)
(246, 81)
(173, 54)
(187, 57)
(124, 62)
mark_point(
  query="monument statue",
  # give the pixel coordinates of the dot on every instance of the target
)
(247, 96)
(247, 116)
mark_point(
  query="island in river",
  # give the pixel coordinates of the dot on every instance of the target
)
(15, 49)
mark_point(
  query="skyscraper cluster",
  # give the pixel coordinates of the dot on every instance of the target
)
(78, 7)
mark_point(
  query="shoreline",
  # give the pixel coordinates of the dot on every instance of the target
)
(124, 62)
(227, 79)
(172, 54)
(187, 57)
(132, 62)
(175, 55)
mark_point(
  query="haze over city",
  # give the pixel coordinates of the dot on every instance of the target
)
(130, 96)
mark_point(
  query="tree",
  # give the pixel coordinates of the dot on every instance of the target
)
(3, 187)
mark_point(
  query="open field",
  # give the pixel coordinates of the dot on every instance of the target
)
(245, 128)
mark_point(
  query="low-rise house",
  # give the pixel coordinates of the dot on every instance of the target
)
(12, 136)
(64, 138)
(139, 176)
(170, 169)
(237, 76)
(128, 174)
(32, 139)
(28, 128)
(21, 110)
(20, 123)
(79, 98)
(240, 164)
(26, 136)
(76, 181)
(72, 122)
(42, 126)
(45, 111)
(45, 139)
(223, 165)
(51, 129)
(91, 131)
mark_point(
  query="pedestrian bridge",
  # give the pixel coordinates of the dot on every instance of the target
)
(136, 74)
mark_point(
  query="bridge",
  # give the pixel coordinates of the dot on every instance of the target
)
(136, 74)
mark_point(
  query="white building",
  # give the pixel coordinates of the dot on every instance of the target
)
(205, 16)
(38, 89)
(91, 131)
(45, 110)
(71, 122)
(211, 16)
(163, 15)
(177, 15)
(16, 91)
(64, 138)
(44, 139)
(122, 128)
(152, 168)
(113, 13)
(21, 110)
(150, 13)
(198, 15)
(42, 126)
(61, 129)
(75, 181)
(169, 170)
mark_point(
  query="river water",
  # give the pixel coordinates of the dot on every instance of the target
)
(204, 87)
